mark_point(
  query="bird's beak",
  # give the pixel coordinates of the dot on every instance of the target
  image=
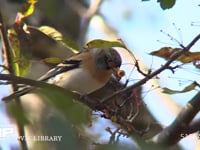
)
(116, 73)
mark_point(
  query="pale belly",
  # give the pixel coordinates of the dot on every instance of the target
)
(77, 80)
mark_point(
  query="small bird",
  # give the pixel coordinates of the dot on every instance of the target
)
(83, 73)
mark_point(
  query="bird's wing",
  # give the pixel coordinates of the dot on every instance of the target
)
(60, 68)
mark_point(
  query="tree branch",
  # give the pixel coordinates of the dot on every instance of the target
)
(194, 126)
(10, 69)
(179, 128)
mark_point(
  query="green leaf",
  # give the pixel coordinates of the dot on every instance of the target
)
(168, 52)
(98, 43)
(28, 8)
(165, 52)
(64, 101)
(52, 60)
(16, 111)
(166, 4)
(56, 35)
(186, 89)
(24, 65)
(21, 62)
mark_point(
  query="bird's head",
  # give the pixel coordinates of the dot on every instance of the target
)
(107, 58)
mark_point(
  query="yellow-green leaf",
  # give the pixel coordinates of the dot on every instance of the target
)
(23, 65)
(27, 9)
(166, 4)
(189, 57)
(98, 43)
(52, 60)
(43, 46)
(56, 35)
(21, 62)
(186, 89)
(167, 52)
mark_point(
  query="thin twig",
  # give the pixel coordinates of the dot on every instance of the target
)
(139, 70)
(9, 65)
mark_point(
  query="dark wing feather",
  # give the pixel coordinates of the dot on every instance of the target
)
(63, 67)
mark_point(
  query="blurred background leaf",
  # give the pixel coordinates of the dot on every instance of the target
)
(166, 4)
(188, 88)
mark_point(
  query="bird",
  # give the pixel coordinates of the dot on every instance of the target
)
(83, 73)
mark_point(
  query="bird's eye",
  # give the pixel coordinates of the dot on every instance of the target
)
(111, 64)
(108, 62)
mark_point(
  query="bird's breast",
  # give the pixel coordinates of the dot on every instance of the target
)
(77, 80)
